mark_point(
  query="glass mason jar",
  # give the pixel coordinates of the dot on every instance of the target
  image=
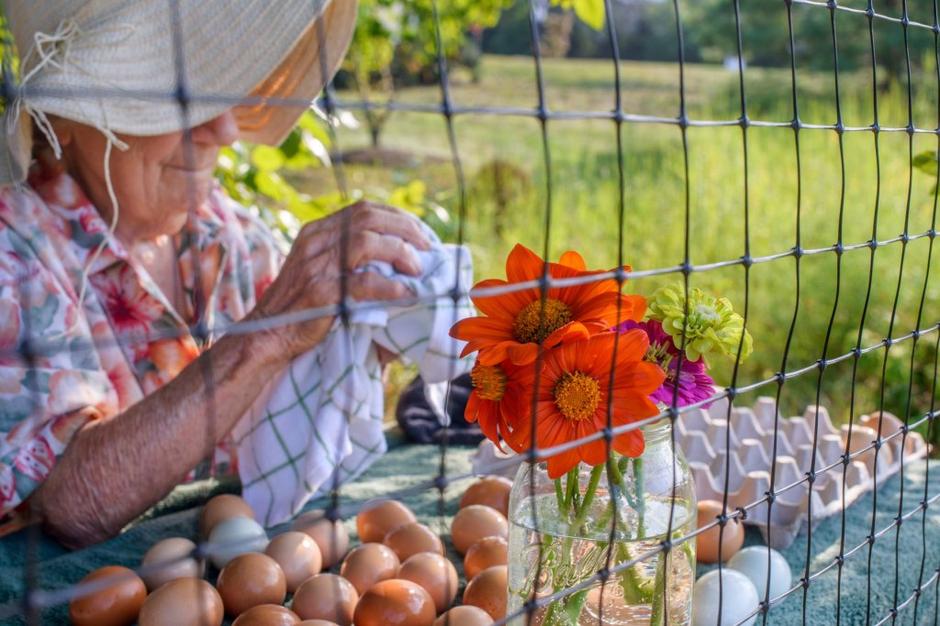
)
(560, 536)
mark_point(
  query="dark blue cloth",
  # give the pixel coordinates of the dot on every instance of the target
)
(421, 425)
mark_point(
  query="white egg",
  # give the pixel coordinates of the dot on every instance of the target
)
(234, 536)
(738, 599)
(752, 562)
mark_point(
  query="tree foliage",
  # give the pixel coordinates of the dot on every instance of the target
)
(395, 43)
(709, 26)
(263, 178)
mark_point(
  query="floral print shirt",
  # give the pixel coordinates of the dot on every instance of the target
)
(93, 357)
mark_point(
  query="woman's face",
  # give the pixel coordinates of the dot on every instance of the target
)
(156, 179)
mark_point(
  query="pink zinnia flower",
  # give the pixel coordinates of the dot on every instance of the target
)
(692, 380)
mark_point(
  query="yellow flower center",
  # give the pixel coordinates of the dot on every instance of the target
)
(489, 381)
(577, 395)
(539, 319)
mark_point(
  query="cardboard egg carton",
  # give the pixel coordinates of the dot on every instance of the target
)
(701, 434)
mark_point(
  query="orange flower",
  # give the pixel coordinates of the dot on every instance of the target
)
(513, 324)
(573, 393)
(498, 396)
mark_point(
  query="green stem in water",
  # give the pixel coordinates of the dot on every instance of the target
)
(639, 497)
(658, 616)
(588, 497)
(560, 496)
(636, 589)
(614, 478)
(571, 488)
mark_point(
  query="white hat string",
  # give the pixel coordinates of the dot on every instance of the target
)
(52, 50)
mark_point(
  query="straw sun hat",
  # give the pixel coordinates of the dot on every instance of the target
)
(117, 64)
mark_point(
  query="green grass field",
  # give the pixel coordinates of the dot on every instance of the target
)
(585, 192)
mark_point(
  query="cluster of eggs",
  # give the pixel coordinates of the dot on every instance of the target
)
(398, 575)
(734, 591)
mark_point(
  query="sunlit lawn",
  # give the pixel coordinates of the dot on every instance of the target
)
(585, 202)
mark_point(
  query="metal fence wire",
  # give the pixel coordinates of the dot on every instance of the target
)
(918, 604)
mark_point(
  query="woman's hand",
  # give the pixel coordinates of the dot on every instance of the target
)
(311, 275)
(114, 469)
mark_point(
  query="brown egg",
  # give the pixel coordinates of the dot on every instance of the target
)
(183, 602)
(706, 543)
(297, 554)
(368, 564)
(491, 491)
(327, 597)
(168, 560)
(464, 615)
(378, 517)
(435, 573)
(267, 615)
(411, 539)
(331, 537)
(475, 522)
(488, 591)
(395, 602)
(485, 553)
(317, 622)
(249, 580)
(222, 507)
(116, 602)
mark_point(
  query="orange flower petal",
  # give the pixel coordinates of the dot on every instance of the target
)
(506, 304)
(593, 453)
(572, 331)
(632, 346)
(630, 405)
(572, 259)
(474, 329)
(637, 306)
(523, 353)
(473, 407)
(561, 464)
(522, 265)
(494, 354)
(629, 444)
(643, 378)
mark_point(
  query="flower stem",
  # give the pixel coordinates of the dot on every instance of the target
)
(572, 488)
(614, 474)
(560, 497)
(659, 591)
(639, 497)
(588, 497)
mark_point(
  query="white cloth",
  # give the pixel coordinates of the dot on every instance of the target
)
(321, 424)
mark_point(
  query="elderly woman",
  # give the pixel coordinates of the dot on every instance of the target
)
(115, 243)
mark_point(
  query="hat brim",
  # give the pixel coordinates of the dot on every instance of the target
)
(121, 71)
(300, 76)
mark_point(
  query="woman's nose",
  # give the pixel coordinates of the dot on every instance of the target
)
(221, 130)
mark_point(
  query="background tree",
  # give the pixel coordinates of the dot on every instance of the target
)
(395, 44)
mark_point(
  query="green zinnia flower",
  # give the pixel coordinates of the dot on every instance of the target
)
(712, 326)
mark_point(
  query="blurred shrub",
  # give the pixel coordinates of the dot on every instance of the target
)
(262, 178)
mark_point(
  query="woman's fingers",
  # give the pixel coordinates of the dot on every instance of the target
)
(362, 216)
(367, 246)
(366, 286)
(391, 221)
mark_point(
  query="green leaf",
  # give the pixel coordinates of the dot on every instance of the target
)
(272, 185)
(266, 158)
(926, 162)
(573, 606)
(291, 146)
(591, 12)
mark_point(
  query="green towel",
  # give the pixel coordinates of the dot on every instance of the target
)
(408, 465)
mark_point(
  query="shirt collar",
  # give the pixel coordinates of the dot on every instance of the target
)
(87, 228)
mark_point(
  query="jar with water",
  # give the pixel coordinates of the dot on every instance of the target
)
(562, 533)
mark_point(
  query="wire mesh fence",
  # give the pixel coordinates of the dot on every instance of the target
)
(908, 317)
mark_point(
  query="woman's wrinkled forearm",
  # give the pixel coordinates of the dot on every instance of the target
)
(113, 470)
